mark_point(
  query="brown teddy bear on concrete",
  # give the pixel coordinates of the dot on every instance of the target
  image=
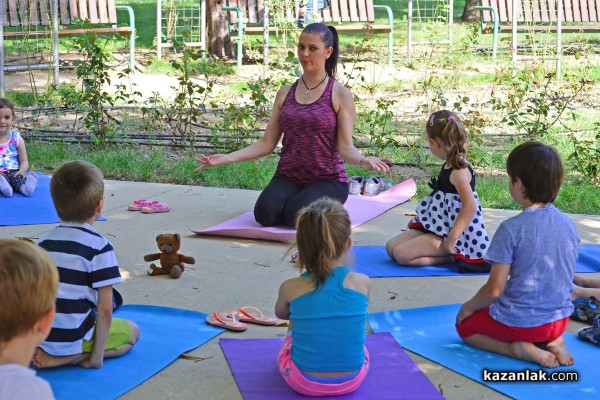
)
(171, 262)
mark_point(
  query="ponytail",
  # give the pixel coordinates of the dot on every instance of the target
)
(446, 126)
(323, 229)
(332, 61)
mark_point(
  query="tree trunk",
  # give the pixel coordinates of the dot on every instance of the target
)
(219, 41)
(469, 13)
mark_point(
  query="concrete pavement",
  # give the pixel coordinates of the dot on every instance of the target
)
(230, 273)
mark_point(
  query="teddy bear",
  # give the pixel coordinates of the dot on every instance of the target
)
(171, 262)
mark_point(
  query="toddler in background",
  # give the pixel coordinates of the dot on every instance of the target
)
(13, 156)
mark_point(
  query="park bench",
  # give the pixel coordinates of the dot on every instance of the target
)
(538, 15)
(247, 17)
(33, 19)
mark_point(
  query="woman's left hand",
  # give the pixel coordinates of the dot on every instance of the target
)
(376, 163)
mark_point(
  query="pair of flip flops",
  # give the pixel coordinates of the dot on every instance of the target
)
(148, 206)
(236, 321)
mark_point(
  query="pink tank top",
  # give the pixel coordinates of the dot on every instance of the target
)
(310, 140)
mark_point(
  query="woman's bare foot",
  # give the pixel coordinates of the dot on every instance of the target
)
(530, 352)
(560, 351)
(41, 359)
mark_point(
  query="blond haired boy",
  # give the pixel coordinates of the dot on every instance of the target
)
(28, 282)
(84, 331)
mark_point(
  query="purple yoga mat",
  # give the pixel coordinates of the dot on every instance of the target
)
(360, 208)
(393, 374)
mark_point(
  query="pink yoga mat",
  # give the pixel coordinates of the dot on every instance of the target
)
(360, 208)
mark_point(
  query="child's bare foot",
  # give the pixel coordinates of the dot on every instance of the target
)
(530, 352)
(560, 351)
(41, 359)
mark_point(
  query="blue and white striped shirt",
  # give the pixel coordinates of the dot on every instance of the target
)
(86, 261)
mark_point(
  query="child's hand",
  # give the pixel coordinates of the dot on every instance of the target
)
(88, 364)
(449, 246)
(463, 313)
(21, 173)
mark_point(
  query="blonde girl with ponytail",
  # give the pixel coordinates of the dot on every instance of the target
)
(324, 353)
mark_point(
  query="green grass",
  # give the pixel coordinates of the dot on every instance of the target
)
(169, 166)
(145, 21)
(208, 66)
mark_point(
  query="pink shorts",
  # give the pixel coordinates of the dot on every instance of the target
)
(297, 381)
(482, 322)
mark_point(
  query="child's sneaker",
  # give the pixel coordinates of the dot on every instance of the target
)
(357, 184)
(592, 333)
(375, 185)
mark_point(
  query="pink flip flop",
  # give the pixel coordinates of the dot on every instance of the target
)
(254, 316)
(156, 207)
(225, 319)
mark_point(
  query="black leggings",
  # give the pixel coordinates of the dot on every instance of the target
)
(281, 200)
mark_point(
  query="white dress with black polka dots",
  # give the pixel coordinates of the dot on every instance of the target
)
(437, 212)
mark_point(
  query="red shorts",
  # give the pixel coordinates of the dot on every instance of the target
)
(482, 322)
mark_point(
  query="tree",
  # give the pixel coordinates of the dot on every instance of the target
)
(469, 12)
(219, 41)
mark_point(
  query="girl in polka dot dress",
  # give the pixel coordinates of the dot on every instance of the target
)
(449, 225)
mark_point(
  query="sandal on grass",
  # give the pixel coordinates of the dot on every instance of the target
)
(254, 316)
(156, 207)
(225, 319)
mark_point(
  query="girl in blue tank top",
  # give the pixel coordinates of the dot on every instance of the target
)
(324, 352)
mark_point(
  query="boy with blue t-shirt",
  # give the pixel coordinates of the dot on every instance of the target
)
(84, 331)
(525, 316)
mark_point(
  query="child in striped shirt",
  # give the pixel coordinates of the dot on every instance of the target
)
(84, 331)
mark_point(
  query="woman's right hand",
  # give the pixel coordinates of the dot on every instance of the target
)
(210, 161)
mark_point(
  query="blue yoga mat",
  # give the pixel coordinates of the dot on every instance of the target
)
(589, 258)
(430, 333)
(151, 354)
(34, 210)
(373, 261)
